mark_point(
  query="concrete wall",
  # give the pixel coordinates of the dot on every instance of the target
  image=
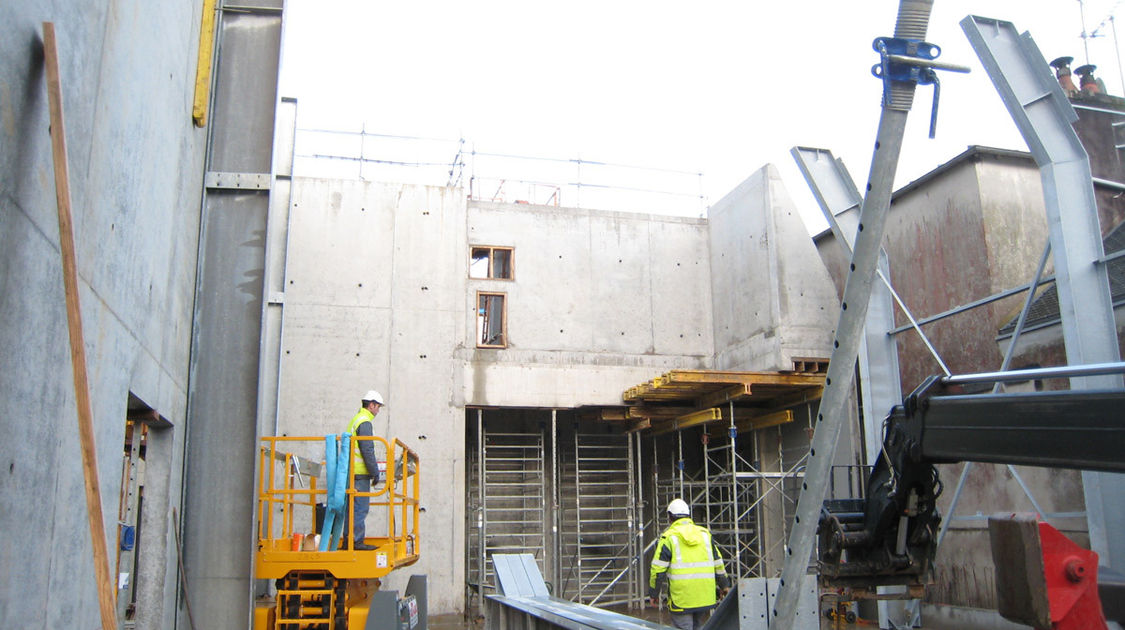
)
(773, 298)
(601, 301)
(976, 229)
(378, 296)
(136, 167)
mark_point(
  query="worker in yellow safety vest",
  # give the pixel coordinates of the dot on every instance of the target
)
(364, 465)
(689, 561)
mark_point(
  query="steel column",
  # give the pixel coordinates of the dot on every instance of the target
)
(880, 383)
(1044, 117)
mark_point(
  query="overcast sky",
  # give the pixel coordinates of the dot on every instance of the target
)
(718, 87)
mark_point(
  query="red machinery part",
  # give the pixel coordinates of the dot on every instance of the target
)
(1072, 582)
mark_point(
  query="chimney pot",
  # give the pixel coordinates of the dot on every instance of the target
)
(1062, 73)
(1089, 83)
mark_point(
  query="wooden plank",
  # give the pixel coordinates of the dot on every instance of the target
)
(74, 322)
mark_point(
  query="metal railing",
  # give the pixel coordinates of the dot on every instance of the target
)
(289, 493)
(496, 176)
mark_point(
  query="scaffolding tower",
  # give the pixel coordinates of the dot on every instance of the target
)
(744, 502)
(507, 502)
(600, 517)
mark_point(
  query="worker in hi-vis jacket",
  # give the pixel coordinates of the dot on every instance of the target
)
(689, 561)
(363, 462)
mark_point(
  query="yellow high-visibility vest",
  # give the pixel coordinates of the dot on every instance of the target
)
(358, 465)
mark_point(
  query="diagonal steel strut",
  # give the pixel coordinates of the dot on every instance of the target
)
(913, 18)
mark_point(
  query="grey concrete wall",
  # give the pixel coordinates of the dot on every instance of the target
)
(128, 71)
(374, 299)
(601, 301)
(773, 299)
(377, 295)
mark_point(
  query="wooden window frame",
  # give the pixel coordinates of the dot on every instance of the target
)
(478, 325)
(492, 249)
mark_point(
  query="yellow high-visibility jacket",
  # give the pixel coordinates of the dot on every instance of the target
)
(690, 561)
(359, 467)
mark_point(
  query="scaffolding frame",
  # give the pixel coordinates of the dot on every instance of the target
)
(508, 511)
(600, 514)
(733, 495)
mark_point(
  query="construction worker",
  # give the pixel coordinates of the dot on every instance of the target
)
(364, 465)
(689, 561)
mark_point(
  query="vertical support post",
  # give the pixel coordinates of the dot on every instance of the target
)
(640, 511)
(631, 546)
(706, 477)
(913, 18)
(482, 553)
(556, 543)
(578, 516)
(74, 324)
(680, 460)
(732, 433)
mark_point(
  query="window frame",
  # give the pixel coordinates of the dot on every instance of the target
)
(478, 325)
(492, 249)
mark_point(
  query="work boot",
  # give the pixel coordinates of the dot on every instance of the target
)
(361, 546)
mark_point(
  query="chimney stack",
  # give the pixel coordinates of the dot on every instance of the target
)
(1089, 83)
(1062, 73)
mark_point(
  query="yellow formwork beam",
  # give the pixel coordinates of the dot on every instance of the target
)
(203, 64)
(750, 378)
(753, 423)
(703, 416)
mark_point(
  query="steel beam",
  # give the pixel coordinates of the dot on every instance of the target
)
(913, 18)
(222, 423)
(880, 384)
(1044, 117)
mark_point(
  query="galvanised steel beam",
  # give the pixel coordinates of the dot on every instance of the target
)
(880, 384)
(1044, 117)
(913, 18)
(880, 381)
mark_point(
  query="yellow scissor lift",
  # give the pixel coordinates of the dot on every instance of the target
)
(328, 590)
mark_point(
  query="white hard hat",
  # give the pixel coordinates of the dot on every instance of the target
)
(373, 395)
(679, 507)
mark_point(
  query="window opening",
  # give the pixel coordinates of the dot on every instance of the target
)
(491, 262)
(491, 325)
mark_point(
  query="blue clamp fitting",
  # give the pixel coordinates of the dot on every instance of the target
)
(910, 60)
